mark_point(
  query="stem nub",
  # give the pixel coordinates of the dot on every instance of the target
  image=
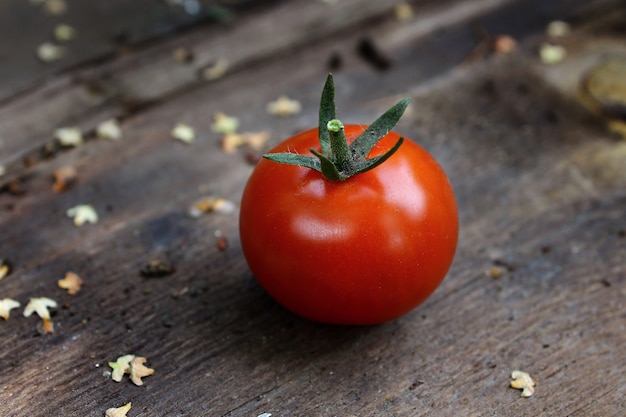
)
(337, 160)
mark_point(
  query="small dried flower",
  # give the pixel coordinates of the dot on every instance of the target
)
(224, 124)
(558, 28)
(522, 380)
(64, 178)
(49, 52)
(5, 268)
(72, 283)
(216, 70)
(211, 204)
(183, 133)
(64, 33)
(55, 7)
(552, 54)
(232, 141)
(83, 213)
(40, 305)
(69, 136)
(109, 129)
(6, 305)
(138, 370)
(284, 106)
(120, 367)
(404, 12)
(118, 412)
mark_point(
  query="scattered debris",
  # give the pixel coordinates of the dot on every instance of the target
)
(182, 55)
(224, 124)
(558, 28)
(265, 415)
(138, 370)
(64, 33)
(118, 412)
(64, 178)
(72, 283)
(55, 7)
(69, 136)
(5, 268)
(183, 133)
(130, 364)
(404, 12)
(215, 70)
(284, 106)
(50, 52)
(222, 244)
(504, 44)
(211, 204)
(552, 54)
(6, 305)
(83, 213)
(157, 268)
(109, 129)
(40, 306)
(120, 367)
(232, 141)
(522, 380)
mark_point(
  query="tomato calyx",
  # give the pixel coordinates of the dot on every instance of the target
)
(338, 160)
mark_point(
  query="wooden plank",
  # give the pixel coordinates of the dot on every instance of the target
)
(521, 157)
(103, 29)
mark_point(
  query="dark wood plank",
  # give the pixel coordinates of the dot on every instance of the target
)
(540, 186)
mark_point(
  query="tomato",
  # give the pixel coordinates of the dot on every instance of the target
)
(358, 251)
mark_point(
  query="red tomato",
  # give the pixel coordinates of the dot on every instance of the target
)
(360, 251)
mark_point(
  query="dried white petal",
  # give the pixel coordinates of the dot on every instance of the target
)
(183, 133)
(64, 33)
(6, 305)
(522, 380)
(118, 412)
(558, 28)
(216, 70)
(83, 213)
(120, 367)
(40, 305)
(224, 124)
(284, 106)
(552, 54)
(109, 129)
(69, 136)
(49, 52)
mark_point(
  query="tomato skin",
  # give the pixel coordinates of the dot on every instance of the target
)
(361, 251)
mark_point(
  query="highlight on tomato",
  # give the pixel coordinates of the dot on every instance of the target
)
(349, 224)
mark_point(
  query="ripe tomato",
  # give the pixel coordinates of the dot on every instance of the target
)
(360, 251)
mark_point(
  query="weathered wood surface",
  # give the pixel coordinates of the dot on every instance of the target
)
(540, 184)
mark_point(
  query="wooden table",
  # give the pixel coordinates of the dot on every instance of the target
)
(538, 282)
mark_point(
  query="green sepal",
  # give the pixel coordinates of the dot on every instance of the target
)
(329, 168)
(362, 145)
(327, 113)
(366, 165)
(337, 160)
(295, 159)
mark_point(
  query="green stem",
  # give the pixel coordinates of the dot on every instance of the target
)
(339, 145)
(337, 160)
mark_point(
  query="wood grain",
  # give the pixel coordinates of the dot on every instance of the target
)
(538, 283)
